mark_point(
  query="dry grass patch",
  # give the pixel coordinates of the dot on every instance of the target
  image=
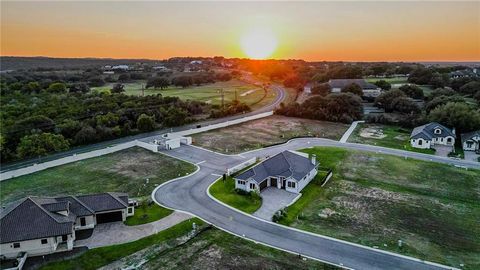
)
(263, 132)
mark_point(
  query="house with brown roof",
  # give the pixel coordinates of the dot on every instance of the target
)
(40, 226)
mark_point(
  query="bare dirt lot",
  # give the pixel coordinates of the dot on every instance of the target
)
(264, 132)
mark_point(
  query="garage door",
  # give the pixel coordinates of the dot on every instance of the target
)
(263, 185)
(109, 217)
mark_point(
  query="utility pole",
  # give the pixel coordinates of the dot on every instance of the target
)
(223, 98)
(236, 99)
(143, 91)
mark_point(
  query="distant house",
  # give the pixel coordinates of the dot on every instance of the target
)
(120, 67)
(40, 226)
(287, 170)
(308, 88)
(471, 141)
(369, 89)
(428, 135)
(466, 73)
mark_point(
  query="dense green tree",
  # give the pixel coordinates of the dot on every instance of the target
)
(57, 88)
(31, 87)
(145, 123)
(78, 88)
(412, 91)
(32, 124)
(354, 89)
(383, 84)
(123, 77)
(158, 82)
(385, 100)
(86, 135)
(405, 105)
(41, 144)
(321, 89)
(68, 128)
(96, 82)
(442, 100)
(459, 115)
(117, 88)
(470, 88)
(108, 120)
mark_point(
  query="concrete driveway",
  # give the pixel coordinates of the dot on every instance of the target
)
(471, 155)
(274, 199)
(117, 233)
(443, 150)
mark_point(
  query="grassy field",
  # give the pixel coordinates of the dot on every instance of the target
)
(386, 136)
(376, 200)
(252, 95)
(146, 213)
(124, 171)
(263, 132)
(225, 192)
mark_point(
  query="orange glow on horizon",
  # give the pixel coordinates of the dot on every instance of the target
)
(347, 31)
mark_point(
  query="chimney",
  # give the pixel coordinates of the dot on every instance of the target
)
(313, 158)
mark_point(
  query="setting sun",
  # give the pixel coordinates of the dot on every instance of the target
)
(259, 43)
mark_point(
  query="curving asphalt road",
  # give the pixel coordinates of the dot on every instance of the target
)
(190, 194)
(281, 94)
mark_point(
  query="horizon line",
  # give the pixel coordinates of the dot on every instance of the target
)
(244, 58)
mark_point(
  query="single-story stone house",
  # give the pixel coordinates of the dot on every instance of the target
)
(471, 141)
(369, 89)
(40, 226)
(428, 135)
(287, 170)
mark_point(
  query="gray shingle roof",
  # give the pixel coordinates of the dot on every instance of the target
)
(426, 131)
(29, 220)
(35, 217)
(76, 206)
(103, 201)
(470, 135)
(341, 83)
(286, 164)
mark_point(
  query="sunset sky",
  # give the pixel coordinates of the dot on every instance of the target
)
(349, 31)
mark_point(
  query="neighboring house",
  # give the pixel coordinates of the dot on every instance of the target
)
(369, 89)
(40, 226)
(170, 141)
(121, 67)
(428, 135)
(466, 73)
(308, 88)
(471, 141)
(287, 170)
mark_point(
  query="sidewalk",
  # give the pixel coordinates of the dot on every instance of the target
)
(349, 131)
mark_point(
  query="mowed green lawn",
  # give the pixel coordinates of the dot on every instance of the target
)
(386, 136)
(377, 200)
(225, 192)
(211, 93)
(124, 171)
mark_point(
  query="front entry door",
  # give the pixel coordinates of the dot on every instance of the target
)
(273, 182)
(284, 183)
(82, 221)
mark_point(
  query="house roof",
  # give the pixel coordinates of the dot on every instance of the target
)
(104, 201)
(341, 83)
(35, 217)
(76, 206)
(471, 136)
(29, 220)
(426, 131)
(286, 164)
